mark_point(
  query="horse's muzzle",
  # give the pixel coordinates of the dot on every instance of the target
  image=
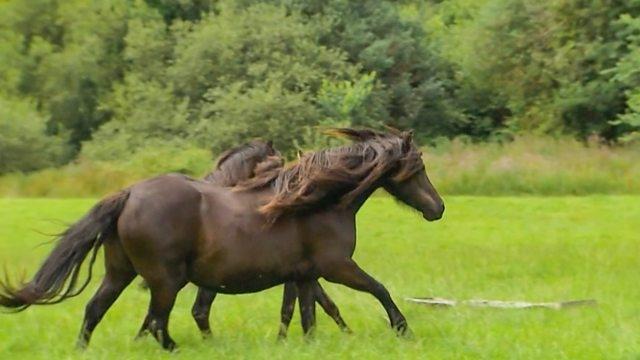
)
(434, 214)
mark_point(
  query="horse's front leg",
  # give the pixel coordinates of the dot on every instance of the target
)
(348, 273)
(329, 307)
(201, 309)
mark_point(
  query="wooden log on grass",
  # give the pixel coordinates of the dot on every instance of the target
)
(557, 305)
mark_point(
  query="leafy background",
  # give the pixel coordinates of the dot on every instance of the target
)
(103, 84)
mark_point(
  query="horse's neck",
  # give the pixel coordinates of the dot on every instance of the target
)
(217, 177)
(359, 200)
(210, 177)
(362, 198)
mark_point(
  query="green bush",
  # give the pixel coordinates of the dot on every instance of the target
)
(24, 143)
(238, 73)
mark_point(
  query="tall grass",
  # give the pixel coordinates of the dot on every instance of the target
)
(534, 165)
(527, 165)
(91, 178)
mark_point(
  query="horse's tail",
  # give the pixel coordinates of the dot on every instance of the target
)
(57, 278)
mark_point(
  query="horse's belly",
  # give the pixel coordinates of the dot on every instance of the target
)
(238, 254)
(239, 270)
(233, 278)
(249, 282)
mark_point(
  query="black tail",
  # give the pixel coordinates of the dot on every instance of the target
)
(57, 278)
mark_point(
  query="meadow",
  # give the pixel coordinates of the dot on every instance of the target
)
(508, 248)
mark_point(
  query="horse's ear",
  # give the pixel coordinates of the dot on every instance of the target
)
(352, 134)
(392, 130)
(225, 155)
(407, 139)
(270, 149)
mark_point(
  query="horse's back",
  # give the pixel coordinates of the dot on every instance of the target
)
(161, 218)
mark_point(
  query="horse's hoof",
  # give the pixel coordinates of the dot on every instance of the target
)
(347, 330)
(141, 335)
(206, 334)
(309, 336)
(402, 330)
(170, 347)
(408, 334)
(282, 332)
(81, 345)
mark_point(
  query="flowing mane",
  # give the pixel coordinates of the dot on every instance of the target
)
(244, 162)
(345, 172)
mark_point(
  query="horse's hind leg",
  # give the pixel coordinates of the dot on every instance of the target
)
(201, 309)
(329, 307)
(289, 296)
(165, 280)
(144, 329)
(307, 302)
(163, 298)
(119, 273)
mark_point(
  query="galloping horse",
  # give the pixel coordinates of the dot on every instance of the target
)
(257, 158)
(297, 224)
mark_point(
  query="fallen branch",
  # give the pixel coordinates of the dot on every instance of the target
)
(433, 301)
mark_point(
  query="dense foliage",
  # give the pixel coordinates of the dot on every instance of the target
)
(552, 66)
(106, 79)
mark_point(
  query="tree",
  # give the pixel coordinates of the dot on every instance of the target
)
(413, 88)
(627, 73)
(24, 144)
(543, 64)
(236, 74)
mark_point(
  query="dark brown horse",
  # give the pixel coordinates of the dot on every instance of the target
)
(297, 225)
(257, 158)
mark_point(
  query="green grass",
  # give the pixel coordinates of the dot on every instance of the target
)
(539, 249)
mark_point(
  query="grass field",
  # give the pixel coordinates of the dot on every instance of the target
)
(539, 249)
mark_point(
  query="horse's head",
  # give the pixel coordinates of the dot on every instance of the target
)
(409, 183)
(244, 162)
(349, 174)
(395, 163)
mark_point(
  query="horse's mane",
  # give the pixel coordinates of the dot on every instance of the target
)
(232, 168)
(345, 172)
